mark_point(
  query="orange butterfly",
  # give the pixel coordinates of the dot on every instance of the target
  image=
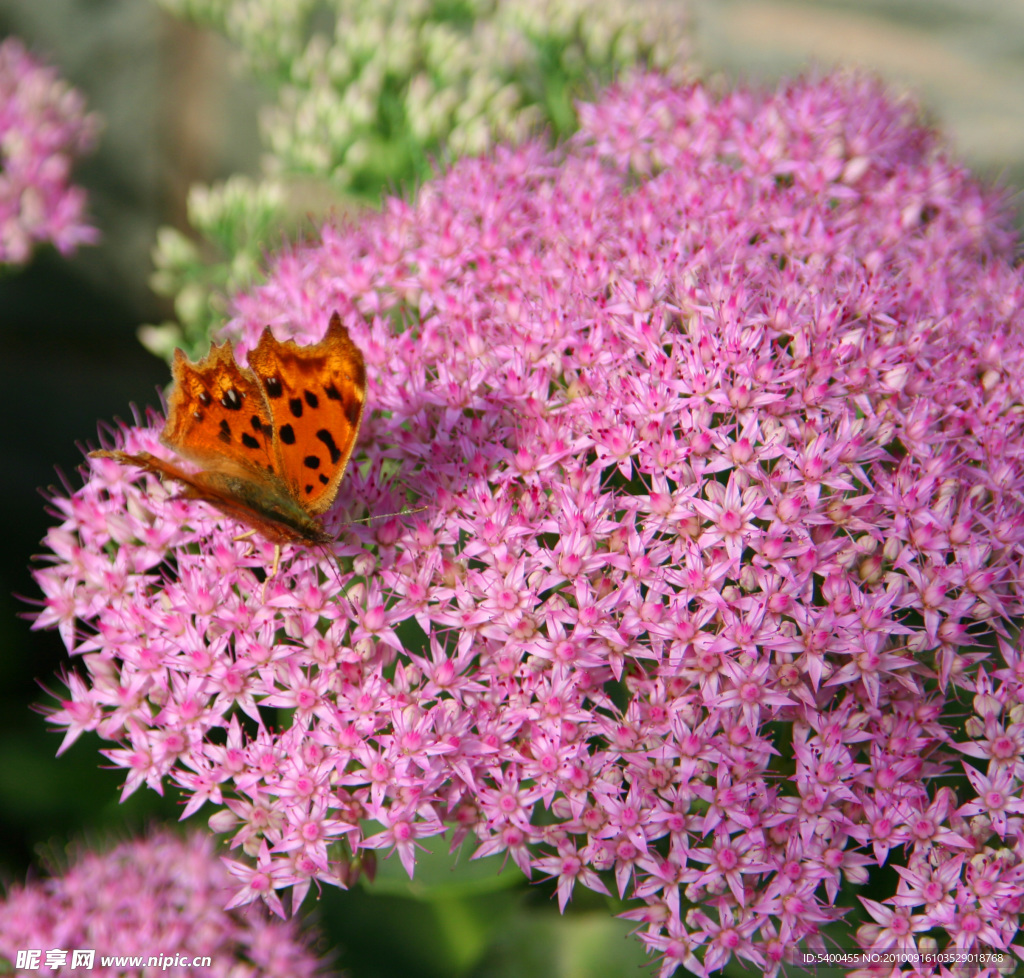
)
(272, 441)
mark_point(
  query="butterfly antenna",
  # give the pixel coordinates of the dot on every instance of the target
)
(387, 516)
(335, 562)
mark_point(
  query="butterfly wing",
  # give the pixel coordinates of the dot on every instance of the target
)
(218, 418)
(272, 441)
(258, 500)
(217, 409)
(315, 395)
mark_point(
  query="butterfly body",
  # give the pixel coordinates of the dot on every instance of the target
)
(271, 441)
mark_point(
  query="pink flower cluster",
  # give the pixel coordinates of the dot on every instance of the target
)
(718, 422)
(161, 895)
(43, 126)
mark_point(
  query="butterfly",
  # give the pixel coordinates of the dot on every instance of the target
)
(272, 440)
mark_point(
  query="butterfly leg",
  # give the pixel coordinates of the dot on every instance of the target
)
(248, 535)
(273, 572)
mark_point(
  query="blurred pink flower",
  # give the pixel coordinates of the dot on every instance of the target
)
(43, 127)
(717, 419)
(160, 895)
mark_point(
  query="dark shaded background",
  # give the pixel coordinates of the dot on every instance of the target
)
(177, 114)
(69, 357)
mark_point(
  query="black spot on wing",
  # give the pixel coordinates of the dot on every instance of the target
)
(311, 399)
(295, 406)
(249, 441)
(325, 436)
(231, 399)
(287, 434)
(205, 399)
(323, 479)
(311, 461)
(353, 409)
(309, 489)
(255, 422)
(273, 387)
(332, 393)
(225, 432)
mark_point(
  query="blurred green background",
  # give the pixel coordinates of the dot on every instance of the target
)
(177, 112)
